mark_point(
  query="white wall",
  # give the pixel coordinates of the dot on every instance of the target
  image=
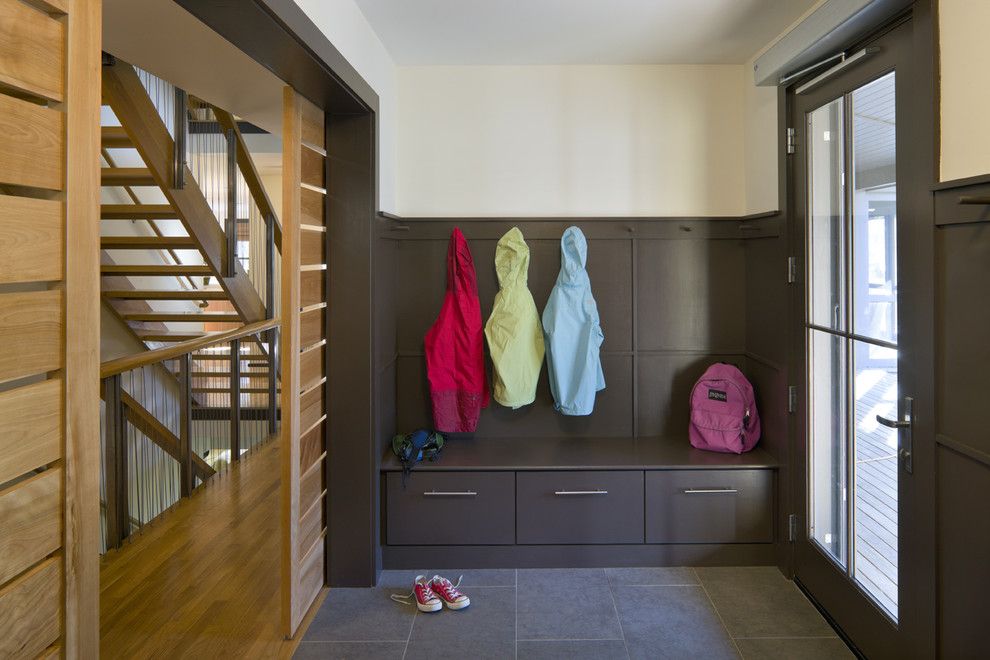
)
(571, 140)
(348, 30)
(965, 61)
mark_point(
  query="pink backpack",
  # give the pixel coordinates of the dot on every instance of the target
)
(723, 411)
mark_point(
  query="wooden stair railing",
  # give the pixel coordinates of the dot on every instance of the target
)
(234, 381)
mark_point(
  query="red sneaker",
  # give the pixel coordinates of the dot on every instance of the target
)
(426, 599)
(448, 592)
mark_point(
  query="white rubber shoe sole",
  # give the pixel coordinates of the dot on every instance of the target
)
(459, 605)
(435, 606)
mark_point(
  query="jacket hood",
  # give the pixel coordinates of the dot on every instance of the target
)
(512, 259)
(573, 256)
(460, 264)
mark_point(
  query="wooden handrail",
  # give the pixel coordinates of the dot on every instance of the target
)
(120, 365)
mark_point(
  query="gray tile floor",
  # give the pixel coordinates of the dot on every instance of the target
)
(573, 614)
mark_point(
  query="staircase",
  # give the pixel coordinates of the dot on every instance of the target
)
(173, 257)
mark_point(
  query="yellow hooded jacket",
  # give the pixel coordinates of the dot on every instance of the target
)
(515, 336)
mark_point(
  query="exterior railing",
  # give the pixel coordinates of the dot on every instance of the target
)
(175, 417)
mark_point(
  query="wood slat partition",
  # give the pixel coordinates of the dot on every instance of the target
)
(49, 327)
(303, 359)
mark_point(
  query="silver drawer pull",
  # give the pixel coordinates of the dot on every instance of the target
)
(450, 493)
(698, 491)
(580, 492)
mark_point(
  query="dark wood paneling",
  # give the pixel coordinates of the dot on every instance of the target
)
(545, 513)
(962, 350)
(612, 416)
(691, 295)
(964, 546)
(353, 454)
(737, 510)
(416, 515)
(664, 389)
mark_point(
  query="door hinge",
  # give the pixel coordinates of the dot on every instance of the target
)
(791, 398)
(791, 140)
(792, 527)
(791, 270)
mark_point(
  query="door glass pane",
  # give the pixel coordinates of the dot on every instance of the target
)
(874, 213)
(875, 473)
(826, 271)
(827, 425)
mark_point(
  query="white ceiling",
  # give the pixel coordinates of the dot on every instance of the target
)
(437, 32)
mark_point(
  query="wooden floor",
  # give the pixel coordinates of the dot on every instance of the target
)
(203, 581)
(876, 493)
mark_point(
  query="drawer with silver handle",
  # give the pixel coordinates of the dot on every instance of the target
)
(578, 507)
(450, 508)
(709, 506)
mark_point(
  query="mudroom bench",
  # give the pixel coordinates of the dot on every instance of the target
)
(567, 502)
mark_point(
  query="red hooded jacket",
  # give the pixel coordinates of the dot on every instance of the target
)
(455, 353)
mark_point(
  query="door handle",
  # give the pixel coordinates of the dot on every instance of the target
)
(904, 427)
(580, 492)
(450, 493)
(696, 491)
(893, 423)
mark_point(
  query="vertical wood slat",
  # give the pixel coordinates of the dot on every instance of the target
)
(31, 325)
(292, 601)
(31, 239)
(81, 586)
(31, 144)
(31, 612)
(30, 427)
(32, 50)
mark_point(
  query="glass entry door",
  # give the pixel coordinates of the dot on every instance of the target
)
(862, 353)
(851, 328)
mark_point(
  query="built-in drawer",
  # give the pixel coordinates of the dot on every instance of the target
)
(450, 508)
(709, 506)
(579, 507)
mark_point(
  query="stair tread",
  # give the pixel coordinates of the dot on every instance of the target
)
(172, 335)
(187, 294)
(147, 242)
(126, 176)
(160, 269)
(184, 317)
(114, 137)
(137, 211)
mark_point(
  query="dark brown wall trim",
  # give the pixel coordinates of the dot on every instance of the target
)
(758, 225)
(282, 38)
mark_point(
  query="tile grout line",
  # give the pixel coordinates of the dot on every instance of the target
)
(409, 636)
(717, 613)
(615, 609)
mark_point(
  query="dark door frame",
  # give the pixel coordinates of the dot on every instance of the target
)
(282, 38)
(859, 620)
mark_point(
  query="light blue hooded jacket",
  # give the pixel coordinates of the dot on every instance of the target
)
(572, 330)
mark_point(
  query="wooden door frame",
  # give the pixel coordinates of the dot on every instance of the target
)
(917, 171)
